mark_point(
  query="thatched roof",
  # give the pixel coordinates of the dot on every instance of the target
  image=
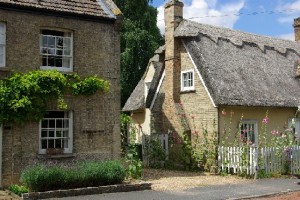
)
(104, 9)
(241, 68)
(137, 100)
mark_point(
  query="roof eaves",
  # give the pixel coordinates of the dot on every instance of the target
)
(44, 11)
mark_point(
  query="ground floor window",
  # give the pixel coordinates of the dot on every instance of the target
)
(56, 131)
(249, 131)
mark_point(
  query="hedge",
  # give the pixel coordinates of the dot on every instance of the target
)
(41, 178)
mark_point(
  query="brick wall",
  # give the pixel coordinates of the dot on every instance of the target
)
(96, 118)
(197, 103)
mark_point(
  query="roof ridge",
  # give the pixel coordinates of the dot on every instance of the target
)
(236, 37)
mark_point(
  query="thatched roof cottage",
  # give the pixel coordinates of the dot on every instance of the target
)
(208, 74)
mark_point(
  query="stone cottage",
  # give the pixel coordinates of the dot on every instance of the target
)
(205, 73)
(78, 36)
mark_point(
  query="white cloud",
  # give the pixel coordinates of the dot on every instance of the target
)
(292, 11)
(206, 11)
(288, 36)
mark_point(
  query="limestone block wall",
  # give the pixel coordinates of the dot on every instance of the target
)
(96, 51)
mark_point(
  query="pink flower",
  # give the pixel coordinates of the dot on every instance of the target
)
(244, 130)
(265, 120)
(250, 143)
(274, 132)
(223, 112)
(180, 104)
(242, 136)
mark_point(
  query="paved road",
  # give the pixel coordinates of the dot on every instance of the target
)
(221, 192)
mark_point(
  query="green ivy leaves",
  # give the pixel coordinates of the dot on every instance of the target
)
(25, 96)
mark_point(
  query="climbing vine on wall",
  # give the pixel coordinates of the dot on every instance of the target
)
(25, 96)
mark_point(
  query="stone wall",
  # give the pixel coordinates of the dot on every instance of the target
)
(96, 51)
(197, 105)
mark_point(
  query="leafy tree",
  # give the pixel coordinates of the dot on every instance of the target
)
(140, 37)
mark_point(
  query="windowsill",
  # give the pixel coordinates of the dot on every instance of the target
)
(60, 69)
(46, 156)
(187, 91)
(5, 69)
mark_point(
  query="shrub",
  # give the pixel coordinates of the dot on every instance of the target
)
(90, 174)
(18, 189)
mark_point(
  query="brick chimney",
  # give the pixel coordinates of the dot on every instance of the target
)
(297, 29)
(173, 16)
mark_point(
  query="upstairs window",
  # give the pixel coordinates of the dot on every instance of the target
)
(56, 132)
(56, 50)
(187, 80)
(2, 44)
(249, 132)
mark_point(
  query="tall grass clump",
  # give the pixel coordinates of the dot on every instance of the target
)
(41, 178)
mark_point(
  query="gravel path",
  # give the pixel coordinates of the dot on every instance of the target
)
(167, 180)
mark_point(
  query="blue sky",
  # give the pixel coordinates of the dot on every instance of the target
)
(223, 13)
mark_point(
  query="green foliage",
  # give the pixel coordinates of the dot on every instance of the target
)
(25, 96)
(89, 86)
(140, 37)
(134, 169)
(91, 174)
(18, 189)
(154, 152)
(125, 126)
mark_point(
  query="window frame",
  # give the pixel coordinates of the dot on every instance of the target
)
(187, 88)
(255, 131)
(4, 46)
(71, 57)
(68, 150)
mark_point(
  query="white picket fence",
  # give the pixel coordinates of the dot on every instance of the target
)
(250, 159)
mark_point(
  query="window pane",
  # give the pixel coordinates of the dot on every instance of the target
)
(44, 144)
(66, 143)
(58, 133)
(51, 51)
(51, 123)
(2, 28)
(2, 39)
(66, 62)
(44, 61)
(58, 62)
(44, 123)
(51, 41)
(59, 123)
(59, 42)
(66, 134)
(51, 134)
(44, 134)
(58, 143)
(50, 143)
(44, 41)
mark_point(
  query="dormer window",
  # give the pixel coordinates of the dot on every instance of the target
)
(56, 50)
(187, 80)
